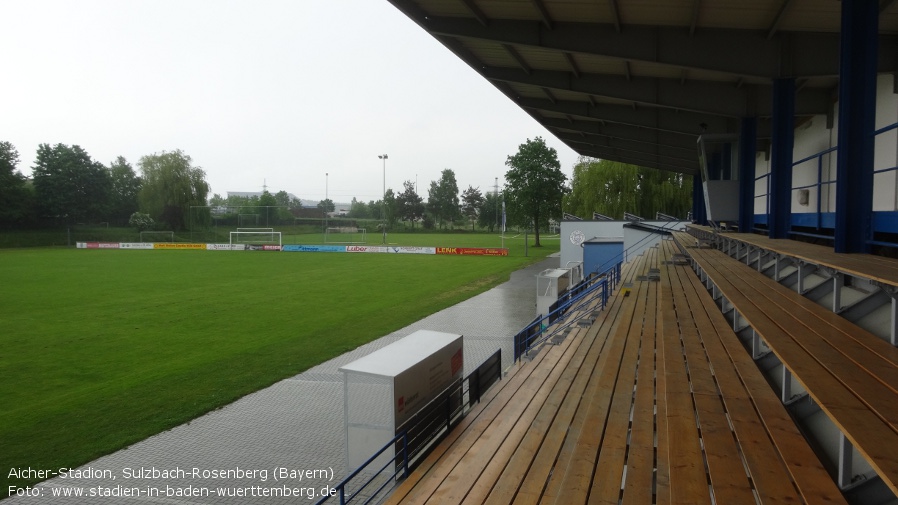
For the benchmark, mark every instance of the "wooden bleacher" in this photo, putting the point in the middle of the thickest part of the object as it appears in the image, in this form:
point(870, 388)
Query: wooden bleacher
point(850, 373)
point(656, 402)
point(865, 266)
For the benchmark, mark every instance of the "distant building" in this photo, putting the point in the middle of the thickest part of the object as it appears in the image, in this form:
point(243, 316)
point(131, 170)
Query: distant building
point(340, 209)
point(250, 194)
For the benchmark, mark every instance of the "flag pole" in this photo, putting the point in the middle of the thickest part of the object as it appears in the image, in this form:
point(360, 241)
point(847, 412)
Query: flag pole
point(503, 224)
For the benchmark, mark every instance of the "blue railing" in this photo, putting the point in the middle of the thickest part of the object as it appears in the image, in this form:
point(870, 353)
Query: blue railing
point(623, 257)
point(819, 221)
point(818, 157)
point(580, 296)
point(415, 438)
point(577, 298)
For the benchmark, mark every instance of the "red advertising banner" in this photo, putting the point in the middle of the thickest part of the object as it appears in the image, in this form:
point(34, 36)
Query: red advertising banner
point(473, 251)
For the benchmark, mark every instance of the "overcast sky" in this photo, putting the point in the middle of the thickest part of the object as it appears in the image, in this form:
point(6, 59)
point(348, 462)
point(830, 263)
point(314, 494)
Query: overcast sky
point(256, 91)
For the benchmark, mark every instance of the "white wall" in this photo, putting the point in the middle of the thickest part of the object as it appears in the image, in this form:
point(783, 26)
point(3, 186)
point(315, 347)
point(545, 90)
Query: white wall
point(812, 137)
point(605, 229)
point(886, 152)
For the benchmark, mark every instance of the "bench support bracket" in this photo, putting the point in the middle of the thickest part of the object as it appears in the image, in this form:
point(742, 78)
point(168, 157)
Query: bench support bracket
point(787, 385)
point(892, 291)
point(846, 451)
point(756, 345)
point(838, 279)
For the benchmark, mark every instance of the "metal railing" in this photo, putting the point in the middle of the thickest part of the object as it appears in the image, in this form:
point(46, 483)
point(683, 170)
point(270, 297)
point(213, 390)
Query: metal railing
point(577, 298)
point(370, 482)
point(581, 295)
point(624, 255)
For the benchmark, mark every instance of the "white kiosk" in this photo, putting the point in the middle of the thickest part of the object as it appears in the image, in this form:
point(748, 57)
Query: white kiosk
point(550, 284)
point(387, 387)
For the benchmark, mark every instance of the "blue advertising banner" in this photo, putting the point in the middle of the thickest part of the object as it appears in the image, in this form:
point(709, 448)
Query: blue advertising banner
point(314, 248)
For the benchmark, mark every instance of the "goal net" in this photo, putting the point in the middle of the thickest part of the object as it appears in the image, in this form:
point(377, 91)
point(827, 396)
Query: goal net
point(157, 236)
point(263, 236)
point(345, 235)
point(247, 220)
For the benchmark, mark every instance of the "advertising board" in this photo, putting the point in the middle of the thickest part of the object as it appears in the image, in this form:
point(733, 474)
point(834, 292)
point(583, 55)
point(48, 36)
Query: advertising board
point(169, 245)
point(315, 248)
point(226, 247)
point(137, 245)
point(473, 251)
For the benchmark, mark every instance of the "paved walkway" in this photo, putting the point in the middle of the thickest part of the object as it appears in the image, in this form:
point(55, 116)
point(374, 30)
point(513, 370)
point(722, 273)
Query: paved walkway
point(288, 435)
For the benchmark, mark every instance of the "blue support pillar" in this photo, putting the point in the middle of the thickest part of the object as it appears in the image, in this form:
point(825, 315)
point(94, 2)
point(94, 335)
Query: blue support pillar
point(783, 138)
point(748, 147)
point(699, 212)
point(857, 115)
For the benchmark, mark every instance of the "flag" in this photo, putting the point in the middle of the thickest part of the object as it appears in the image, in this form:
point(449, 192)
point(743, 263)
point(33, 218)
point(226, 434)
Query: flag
point(503, 216)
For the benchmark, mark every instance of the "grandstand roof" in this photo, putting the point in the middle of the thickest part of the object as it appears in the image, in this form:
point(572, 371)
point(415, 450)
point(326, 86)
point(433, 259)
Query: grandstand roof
point(638, 81)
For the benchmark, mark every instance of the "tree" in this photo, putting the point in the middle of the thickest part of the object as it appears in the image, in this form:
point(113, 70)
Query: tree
point(358, 210)
point(490, 211)
point(125, 187)
point(472, 200)
point(141, 221)
point(375, 209)
point(603, 186)
point(171, 185)
point(15, 198)
point(385, 209)
point(326, 206)
point(663, 191)
point(267, 208)
point(69, 185)
point(409, 205)
point(391, 207)
point(283, 199)
point(612, 188)
point(442, 200)
point(534, 185)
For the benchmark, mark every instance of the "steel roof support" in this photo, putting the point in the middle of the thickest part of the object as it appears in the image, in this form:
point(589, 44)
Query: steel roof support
point(699, 212)
point(857, 113)
point(748, 147)
point(782, 143)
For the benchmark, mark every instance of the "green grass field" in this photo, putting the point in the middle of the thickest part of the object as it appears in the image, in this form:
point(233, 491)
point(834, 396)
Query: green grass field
point(101, 348)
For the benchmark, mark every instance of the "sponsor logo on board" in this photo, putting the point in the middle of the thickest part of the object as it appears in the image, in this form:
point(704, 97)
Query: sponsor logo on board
point(168, 245)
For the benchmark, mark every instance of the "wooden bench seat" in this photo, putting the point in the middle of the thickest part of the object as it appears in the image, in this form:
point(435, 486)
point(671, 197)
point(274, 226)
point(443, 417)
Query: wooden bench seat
point(734, 403)
point(851, 374)
point(466, 461)
point(865, 266)
point(645, 406)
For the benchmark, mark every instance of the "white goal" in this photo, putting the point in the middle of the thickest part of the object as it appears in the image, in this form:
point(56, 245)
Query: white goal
point(157, 236)
point(261, 230)
point(266, 236)
point(345, 235)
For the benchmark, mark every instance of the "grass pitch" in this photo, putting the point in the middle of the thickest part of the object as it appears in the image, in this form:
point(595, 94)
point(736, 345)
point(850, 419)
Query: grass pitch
point(100, 349)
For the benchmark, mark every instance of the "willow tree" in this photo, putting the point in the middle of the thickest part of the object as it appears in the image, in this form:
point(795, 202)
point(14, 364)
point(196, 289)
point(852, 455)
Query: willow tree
point(171, 185)
point(612, 188)
point(534, 185)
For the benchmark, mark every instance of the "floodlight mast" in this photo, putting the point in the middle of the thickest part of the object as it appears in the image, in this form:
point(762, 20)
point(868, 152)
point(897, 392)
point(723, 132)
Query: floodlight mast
point(383, 201)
